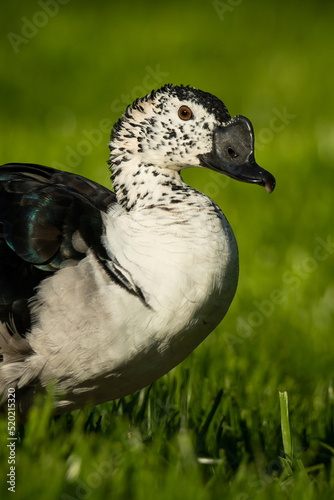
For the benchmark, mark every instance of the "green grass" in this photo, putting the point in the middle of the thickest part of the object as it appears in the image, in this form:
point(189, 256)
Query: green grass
point(216, 426)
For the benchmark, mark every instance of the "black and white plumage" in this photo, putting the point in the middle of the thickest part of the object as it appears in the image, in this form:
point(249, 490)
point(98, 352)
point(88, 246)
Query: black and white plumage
point(101, 293)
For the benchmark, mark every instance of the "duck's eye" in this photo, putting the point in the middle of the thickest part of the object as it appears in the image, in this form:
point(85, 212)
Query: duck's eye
point(185, 113)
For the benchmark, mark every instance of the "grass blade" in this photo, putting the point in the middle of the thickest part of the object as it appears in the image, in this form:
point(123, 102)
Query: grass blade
point(285, 425)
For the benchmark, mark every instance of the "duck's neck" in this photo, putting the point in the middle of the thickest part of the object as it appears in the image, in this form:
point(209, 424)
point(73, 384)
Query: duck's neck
point(138, 185)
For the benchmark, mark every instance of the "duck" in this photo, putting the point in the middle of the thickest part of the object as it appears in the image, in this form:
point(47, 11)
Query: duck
point(103, 291)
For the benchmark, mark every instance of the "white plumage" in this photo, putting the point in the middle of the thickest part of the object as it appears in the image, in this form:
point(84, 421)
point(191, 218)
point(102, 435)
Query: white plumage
point(122, 287)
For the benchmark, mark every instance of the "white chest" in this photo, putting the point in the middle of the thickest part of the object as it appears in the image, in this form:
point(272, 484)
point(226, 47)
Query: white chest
point(185, 265)
point(187, 270)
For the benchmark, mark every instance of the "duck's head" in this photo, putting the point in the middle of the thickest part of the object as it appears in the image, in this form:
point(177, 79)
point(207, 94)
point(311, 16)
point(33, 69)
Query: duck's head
point(179, 127)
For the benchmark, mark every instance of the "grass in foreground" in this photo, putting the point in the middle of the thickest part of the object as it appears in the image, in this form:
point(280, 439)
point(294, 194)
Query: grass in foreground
point(160, 443)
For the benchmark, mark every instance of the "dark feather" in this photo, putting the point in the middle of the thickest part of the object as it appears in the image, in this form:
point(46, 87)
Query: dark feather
point(40, 210)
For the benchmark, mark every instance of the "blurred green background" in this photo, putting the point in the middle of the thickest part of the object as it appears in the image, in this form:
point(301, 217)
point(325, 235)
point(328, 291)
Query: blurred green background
point(68, 70)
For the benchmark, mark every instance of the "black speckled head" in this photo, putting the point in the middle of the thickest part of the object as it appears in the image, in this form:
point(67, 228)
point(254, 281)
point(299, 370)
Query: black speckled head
point(211, 103)
point(178, 127)
point(154, 129)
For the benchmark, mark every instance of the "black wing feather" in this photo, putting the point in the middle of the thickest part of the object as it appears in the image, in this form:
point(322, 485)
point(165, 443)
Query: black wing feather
point(40, 210)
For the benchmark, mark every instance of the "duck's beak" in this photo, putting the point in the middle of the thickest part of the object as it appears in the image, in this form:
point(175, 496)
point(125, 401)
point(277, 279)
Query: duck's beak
point(233, 154)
